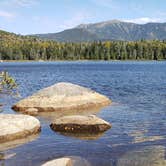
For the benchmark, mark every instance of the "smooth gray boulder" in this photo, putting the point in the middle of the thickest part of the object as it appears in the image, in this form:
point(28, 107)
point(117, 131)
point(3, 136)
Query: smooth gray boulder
point(14, 127)
point(80, 124)
point(60, 97)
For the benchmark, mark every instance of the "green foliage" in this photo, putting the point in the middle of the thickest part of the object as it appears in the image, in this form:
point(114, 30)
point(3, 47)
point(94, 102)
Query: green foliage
point(6, 82)
point(7, 86)
point(17, 47)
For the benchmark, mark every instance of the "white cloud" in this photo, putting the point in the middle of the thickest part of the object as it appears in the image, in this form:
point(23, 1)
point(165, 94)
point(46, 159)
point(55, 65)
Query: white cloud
point(6, 14)
point(25, 3)
point(19, 3)
point(144, 20)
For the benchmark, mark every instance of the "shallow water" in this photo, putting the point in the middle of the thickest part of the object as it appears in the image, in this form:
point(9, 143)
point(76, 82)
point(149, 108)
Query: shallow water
point(138, 114)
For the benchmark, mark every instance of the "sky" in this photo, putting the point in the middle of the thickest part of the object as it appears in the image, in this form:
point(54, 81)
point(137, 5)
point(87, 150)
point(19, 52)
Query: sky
point(50, 16)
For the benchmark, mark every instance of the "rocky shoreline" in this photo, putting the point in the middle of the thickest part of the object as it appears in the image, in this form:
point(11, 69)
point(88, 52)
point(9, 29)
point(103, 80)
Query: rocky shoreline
point(61, 97)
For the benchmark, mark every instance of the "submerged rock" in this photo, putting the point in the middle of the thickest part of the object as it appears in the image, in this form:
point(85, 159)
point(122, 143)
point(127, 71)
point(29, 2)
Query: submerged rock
point(6, 156)
point(80, 124)
point(14, 127)
point(60, 97)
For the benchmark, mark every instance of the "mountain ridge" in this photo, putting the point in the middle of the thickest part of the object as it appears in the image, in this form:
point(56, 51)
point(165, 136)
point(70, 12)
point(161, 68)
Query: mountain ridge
point(109, 30)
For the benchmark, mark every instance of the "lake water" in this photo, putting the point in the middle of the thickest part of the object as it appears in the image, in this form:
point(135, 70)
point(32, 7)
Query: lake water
point(137, 115)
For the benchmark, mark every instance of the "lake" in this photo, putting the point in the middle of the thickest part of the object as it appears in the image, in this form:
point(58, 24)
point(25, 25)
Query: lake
point(137, 115)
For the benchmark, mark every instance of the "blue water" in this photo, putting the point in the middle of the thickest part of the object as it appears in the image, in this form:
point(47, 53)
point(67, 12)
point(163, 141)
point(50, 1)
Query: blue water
point(137, 115)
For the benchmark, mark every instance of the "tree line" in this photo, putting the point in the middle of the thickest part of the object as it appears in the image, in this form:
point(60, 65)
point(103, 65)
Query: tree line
point(15, 47)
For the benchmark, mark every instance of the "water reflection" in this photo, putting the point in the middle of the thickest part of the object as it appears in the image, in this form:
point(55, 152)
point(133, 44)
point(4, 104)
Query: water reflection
point(83, 136)
point(149, 156)
point(79, 161)
point(15, 143)
point(142, 136)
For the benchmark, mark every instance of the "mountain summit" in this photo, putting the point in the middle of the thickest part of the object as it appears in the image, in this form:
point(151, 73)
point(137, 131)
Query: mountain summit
point(109, 30)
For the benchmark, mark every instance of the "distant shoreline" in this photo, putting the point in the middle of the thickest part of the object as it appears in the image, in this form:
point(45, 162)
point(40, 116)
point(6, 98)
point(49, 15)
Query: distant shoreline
point(42, 61)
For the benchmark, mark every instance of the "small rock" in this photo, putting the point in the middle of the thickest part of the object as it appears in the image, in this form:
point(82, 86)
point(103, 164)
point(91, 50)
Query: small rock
point(80, 124)
point(59, 162)
point(68, 161)
point(31, 111)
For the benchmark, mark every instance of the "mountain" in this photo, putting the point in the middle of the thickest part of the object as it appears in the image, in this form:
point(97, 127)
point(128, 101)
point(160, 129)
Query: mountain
point(71, 35)
point(109, 30)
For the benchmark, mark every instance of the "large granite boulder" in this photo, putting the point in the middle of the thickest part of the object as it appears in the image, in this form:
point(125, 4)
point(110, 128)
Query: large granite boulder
point(62, 96)
point(14, 127)
point(80, 124)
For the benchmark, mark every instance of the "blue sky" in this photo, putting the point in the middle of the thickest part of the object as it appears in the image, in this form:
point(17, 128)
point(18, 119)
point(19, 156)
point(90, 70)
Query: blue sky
point(43, 16)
